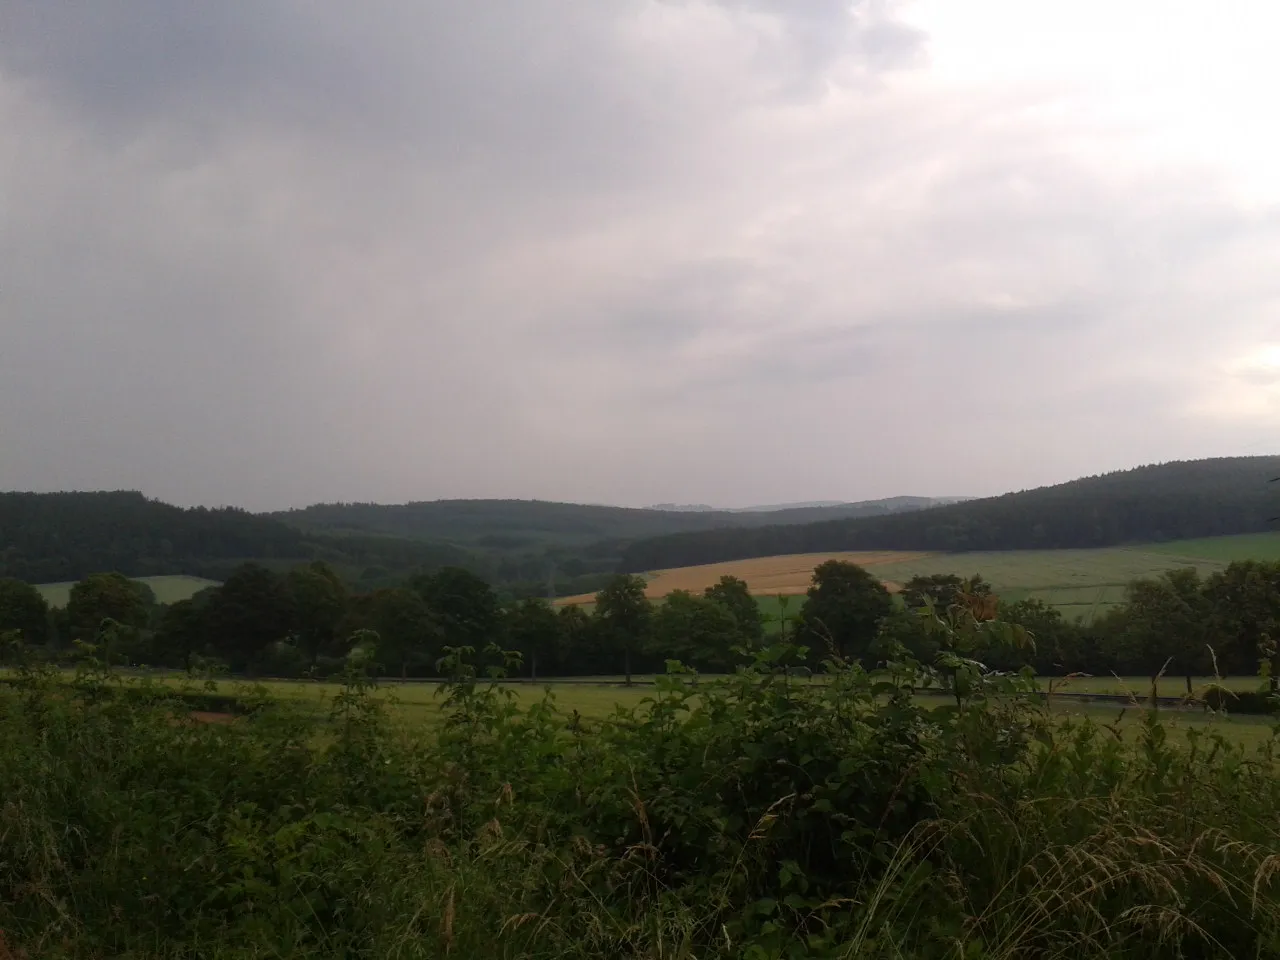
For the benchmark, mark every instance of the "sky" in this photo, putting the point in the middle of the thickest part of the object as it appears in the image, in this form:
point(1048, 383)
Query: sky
point(632, 251)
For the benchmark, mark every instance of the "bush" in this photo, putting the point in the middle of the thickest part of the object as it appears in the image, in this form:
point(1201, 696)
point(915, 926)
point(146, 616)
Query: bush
point(1242, 701)
point(751, 817)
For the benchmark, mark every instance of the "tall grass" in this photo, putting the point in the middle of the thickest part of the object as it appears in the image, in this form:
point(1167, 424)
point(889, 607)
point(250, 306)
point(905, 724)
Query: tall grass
point(761, 818)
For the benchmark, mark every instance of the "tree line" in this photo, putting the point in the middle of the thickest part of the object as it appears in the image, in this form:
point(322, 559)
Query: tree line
point(1173, 501)
point(54, 537)
point(1179, 624)
point(524, 546)
point(302, 622)
point(530, 549)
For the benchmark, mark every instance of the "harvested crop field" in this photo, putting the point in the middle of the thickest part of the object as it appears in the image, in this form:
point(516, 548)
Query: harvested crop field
point(765, 576)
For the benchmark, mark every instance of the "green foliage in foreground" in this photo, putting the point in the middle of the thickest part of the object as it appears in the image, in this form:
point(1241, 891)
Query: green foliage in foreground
point(753, 816)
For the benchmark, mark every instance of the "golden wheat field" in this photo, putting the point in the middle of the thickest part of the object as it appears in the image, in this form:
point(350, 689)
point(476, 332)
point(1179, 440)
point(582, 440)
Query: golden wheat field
point(766, 576)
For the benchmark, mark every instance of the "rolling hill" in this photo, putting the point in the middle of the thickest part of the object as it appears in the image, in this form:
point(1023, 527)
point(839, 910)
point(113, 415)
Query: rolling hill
point(55, 537)
point(60, 537)
point(540, 524)
point(1171, 501)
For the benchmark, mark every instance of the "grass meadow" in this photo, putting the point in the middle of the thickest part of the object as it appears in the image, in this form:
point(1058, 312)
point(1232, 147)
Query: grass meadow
point(739, 819)
point(419, 704)
point(1248, 546)
point(169, 589)
point(1081, 583)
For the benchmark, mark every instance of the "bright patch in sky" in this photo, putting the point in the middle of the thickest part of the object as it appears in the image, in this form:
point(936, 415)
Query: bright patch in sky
point(1265, 360)
point(1140, 81)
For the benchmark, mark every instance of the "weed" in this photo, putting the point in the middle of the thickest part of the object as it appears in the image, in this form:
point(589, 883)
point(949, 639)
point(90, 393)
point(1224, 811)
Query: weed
point(744, 816)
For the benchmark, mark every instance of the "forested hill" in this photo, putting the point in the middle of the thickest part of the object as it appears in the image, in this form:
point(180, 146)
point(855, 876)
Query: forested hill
point(1195, 498)
point(536, 524)
point(64, 536)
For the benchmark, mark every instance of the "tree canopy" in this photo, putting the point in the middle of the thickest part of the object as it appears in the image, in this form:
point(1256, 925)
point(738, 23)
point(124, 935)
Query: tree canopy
point(1197, 498)
point(23, 610)
point(844, 608)
point(624, 613)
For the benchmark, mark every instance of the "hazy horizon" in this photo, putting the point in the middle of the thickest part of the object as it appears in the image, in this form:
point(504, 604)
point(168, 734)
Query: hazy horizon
point(670, 506)
point(734, 252)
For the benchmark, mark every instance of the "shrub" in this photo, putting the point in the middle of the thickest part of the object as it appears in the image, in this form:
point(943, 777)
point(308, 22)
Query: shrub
point(1241, 701)
point(753, 816)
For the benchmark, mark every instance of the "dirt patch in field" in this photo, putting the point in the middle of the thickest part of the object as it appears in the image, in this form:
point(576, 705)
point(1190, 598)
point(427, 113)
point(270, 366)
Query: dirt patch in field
point(200, 716)
point(765, 576)
point(208, 716)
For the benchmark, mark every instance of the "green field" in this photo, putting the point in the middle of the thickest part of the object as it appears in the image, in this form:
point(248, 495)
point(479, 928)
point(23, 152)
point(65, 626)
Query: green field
point(1249, 731)
point(1084, 583)
point(1169, 686)
point(419, 703)
point(1081, 583)
point(1247, 546)
point(167, 589)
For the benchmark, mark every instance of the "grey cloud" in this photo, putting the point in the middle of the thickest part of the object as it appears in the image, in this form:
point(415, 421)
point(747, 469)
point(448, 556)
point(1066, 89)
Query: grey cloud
point(867, 34)
point(294, 251)
point(564, 88)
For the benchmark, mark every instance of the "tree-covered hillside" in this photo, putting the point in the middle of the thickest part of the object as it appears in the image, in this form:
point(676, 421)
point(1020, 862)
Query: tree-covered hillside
point(1171, 501)
point(64, 536)
point(538, 524)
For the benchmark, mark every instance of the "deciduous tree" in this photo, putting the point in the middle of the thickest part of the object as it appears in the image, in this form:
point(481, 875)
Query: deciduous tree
point(735, 596)
point(24, 611)
point(103, 596)
point(697, 630)
point(536, 630)
point(1169, 621)
point(844, 608)
point(623, 612)
point(578, 630)
point(409, 632)
point(467, 608)
point(248, 613)
point(1244, 607)
point(319, 601)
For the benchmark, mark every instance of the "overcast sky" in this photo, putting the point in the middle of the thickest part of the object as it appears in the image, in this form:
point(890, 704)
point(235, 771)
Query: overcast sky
point(632, 251)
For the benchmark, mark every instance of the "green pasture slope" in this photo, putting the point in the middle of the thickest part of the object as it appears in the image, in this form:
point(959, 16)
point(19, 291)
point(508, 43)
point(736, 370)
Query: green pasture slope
point(1081, 583)
point(167, 589)
point(1084, 583)
point(1246, 546)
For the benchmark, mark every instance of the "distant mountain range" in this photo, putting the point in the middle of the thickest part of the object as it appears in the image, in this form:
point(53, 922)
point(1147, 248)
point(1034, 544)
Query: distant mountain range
point(893, 503)
point(765, 508)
